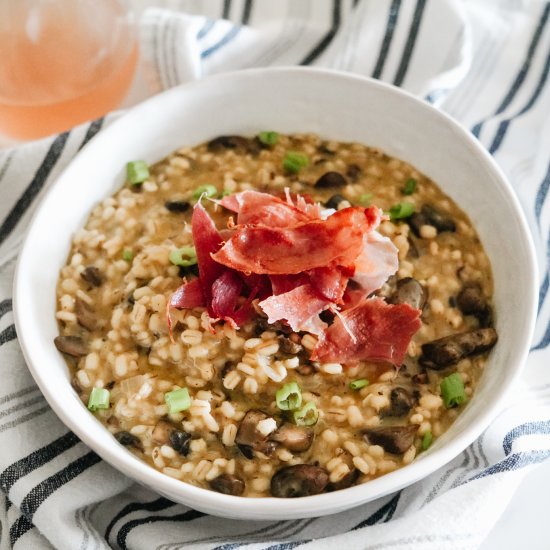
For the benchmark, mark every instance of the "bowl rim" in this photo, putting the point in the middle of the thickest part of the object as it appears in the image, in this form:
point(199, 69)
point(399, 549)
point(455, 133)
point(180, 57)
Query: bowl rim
point(269, 507)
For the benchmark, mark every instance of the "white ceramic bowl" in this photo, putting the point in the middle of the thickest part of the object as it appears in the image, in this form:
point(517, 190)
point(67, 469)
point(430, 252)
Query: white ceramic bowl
point(336, 106)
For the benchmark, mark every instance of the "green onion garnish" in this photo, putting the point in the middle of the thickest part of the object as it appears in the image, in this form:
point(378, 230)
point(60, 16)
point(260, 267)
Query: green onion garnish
point(365, 198)
point(427, 439)
point(452, 390)
point(268, 138)
point(137, 172)
point(294, 161)
point(358, 384)
point(289, 397)
point(410, 187)
point(307, 415)
point(208, 190)
point(127, 255)
point(401, 210)
point(184, 256)
point(99, 399)
point(177, 400)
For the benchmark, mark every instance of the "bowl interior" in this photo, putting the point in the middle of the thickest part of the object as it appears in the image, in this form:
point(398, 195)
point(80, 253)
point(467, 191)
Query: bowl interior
point(336, 106)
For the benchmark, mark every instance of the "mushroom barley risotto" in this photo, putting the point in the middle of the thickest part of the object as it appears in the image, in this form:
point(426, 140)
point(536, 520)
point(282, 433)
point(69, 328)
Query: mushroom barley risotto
point(277, 315)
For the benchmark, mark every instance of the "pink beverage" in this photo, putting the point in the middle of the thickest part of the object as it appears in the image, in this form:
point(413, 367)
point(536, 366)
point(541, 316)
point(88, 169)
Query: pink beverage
point(62, 62)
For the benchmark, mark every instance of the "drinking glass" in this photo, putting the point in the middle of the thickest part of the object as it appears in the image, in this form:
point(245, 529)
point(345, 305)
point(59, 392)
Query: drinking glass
point(62, 62)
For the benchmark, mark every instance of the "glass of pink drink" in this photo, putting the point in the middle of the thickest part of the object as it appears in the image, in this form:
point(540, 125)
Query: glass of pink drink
point(63, 62)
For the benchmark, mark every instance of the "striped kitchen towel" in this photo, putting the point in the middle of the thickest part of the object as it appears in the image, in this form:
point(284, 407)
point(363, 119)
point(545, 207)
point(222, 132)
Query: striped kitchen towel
point(486, 64)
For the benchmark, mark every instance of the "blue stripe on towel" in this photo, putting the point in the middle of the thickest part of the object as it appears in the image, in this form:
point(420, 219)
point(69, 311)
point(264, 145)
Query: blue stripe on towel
point(225, 40)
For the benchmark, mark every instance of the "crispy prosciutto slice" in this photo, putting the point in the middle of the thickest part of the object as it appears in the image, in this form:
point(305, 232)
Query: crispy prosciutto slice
point(338, 240)
point(373, 331)
point(299, 307)
point(207, 240)
point(297, 264)
point(226, 291)
point(218, 287)
point(257, 208)
point(304, 203)
point(188, 295)
point(330, 282)
point(285, 283)
point(377, 262)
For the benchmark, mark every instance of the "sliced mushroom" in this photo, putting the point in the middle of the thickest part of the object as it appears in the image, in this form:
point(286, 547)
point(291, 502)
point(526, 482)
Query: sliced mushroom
point(177, 207)
point(228, 484)
point(347, 481)
point(471, 301)
point(166, 433)
point(429, 215)
point(266, 450)
point(180, 441)
point(409, 291)
point(301, 480)
point(295, 438)
point(393, 439)
point(161, 432)
point(334, 201)
point(416, 221)
point(286, 345)
point(451, 349)
point(71, 345)
point(249, 436)
point(330, 179)
point(129, 440)
point(85, 315)
point(237, 143)
point(353, 172)
point(92, 275)
point(388, 288)
point(246, 451)
point(486, 318)
point(440, 221)
point(401, 402)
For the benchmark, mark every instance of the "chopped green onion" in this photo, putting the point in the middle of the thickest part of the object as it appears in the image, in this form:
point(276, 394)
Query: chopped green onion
point(268, 138)
point(289, 397)
point(358, 384)
point(177, 400)
point(208, 190)
point(294, 161)
point(184, 256)
point(127, 255)
point(307, 415)
point(410, 187)
point(452, 390)
point(427, 439)
point(137, 172)
point(99, 399)
point(225, 194)
point(365, 198)
point(401, 210)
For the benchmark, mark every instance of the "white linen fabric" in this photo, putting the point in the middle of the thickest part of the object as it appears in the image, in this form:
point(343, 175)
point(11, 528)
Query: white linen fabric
point(485, 63)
